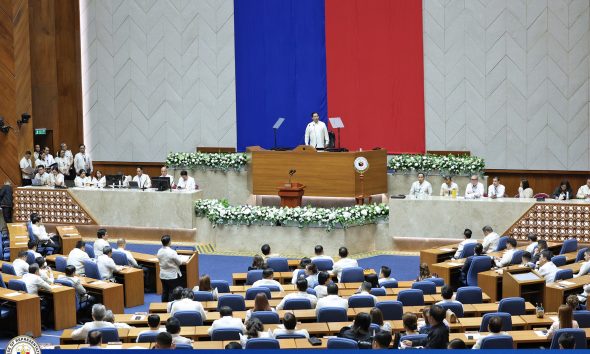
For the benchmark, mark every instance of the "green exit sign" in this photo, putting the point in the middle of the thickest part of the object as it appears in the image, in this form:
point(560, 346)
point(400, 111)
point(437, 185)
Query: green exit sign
point(41, 131)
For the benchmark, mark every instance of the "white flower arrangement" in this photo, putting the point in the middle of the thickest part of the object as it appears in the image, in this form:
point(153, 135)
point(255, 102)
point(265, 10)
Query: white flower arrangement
point(223, 162)
point(219, 212)
point(446, 164)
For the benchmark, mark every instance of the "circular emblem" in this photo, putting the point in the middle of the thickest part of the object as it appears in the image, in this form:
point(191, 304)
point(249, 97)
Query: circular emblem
point(361, 164)
point(23, 345)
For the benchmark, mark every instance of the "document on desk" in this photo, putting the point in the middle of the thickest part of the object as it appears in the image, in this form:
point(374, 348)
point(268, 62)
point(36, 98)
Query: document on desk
point(184, 258)
point(565, 282)
point(12, 294)
point(96, 282)
point(21, 236)
point(526, 276)
point(447, 249)
point(541, 334)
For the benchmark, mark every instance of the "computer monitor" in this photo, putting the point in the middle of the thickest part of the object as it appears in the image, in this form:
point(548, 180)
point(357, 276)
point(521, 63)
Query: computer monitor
point(161, 183)
point(114, 180)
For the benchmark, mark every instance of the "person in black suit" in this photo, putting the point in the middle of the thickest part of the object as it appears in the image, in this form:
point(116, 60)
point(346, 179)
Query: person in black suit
point(6, 201)
point(478, 252)
point(438, 337)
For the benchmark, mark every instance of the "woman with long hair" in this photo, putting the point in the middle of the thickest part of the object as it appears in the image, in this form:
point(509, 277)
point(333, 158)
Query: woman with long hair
point(254, 329)
point(260, 304)
point(205, 285)
point(565, 319)
point(359, 331)
point(377, 318)
point(525, 190)
point(257, 263)
point(564, 191)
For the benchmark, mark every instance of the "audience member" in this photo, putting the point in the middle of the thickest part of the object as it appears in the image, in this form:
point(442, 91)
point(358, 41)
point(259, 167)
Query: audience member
point(94, 339)
point(20, 264)
point(447, 295)
point(101, 242)
point(205, 285)
point(106, 265)
point(541, 246)
point(227, 321)
point(38, 229)
point(467, 240)
point(164, 341)
point(490, 240)
point(564, 191)
point(289, 327)
point(56, 178)
point(474, 190)
point(531, 247)
point(33, 280)
point(26, 168)
point(257, 263)
point(63, 164)
point(424, 272)
point(546, 268)
point(254, 329)
point(99, 180)
point(110, 317)
point(321, 290)
point(319, 254)
point(438, 335)
point(153, 321)
point(421, 187)
point(343, 263)
point(121, 244)
point(260, 304)
point(300, 294)
point(77, 257)
point(70, 274)
point(478, 251)
point(82, 179)
point(565, 319)
point(302, 265)
point(382, 340)
point(385, 275)
point(365, 290)
point(527, 260)
point(176, 295)
point(45, 271)
point(170, 262)
point(32, 248)
point(457, 344)
point(98, 313)
point(377, 318)
point(173, 327)
point(573, 302)
point(446, 189)
point(42, 177)
point(359, 331)
point(267, 279)
point(332, 299)
point(311, 275)
point(567, 341)
point(586, 265)
point(506, 259)
point(266, 252)
point(233, 345)
point(584, 190)
point(494, 329)
point(187, 303)
point(373, 279)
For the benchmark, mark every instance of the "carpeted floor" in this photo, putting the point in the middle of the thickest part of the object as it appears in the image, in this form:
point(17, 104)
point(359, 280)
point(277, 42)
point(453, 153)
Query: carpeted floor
point(222, 267)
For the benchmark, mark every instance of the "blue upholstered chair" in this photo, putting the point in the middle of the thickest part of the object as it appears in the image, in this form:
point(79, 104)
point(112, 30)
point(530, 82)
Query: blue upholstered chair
point(411, 297)
point(569, 245)
point(278, 264)
point(515, 306)
point(578, 333)
point(234, 301)
point(497, 342)
point(342, 343)
point(332, 314)
point(352, 275)
point(392, 310)
point(478, 264)
point(469, 295)
point(506, 321)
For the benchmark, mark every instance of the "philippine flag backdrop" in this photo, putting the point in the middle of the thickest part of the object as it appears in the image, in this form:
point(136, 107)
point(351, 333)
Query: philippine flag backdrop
point(361, 60)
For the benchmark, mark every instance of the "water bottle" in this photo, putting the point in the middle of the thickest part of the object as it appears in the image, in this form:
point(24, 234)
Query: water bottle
point(540, 311)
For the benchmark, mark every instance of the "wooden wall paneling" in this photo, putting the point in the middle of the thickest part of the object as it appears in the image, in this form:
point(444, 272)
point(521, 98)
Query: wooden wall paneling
point(152, 169)
point(541, 181)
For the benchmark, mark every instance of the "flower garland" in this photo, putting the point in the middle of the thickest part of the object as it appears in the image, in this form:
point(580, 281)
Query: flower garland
point(215, 161)
point(219, 212)
point(447, 164)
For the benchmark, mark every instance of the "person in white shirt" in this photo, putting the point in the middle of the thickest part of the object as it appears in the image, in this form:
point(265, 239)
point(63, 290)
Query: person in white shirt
point(343, 263)
point(164, 173)
point(110, 317)
point(56, 178)
point(490, 239)
point(298, 273)
point(33, 280)
point(289, 327)
point(170, 262)
point(63, 163)
point(585, 266)
point(32, 248)
point(565, 319)
point(187, 303)
point(77, 257)
point(546, 268)
point(448, 186)
point(100, 181)
point(82, 160)
point(42, 176)
point(20, 264)
point(494, 329)
point(153, 321)
point(254, 329)
point(49, 160)
point(267, 279)
point(467, 240)
point(507, 256)
point(101, 242)
point(45, 271)
point(496, 190)
point(365, 290)
point(319, 254)
point(524, 190)
point(260, 304)
point(474, 190)
point(227, 321)
point(173, 327)
point(321, 290)
point(106, 265)
point(421, 187)
point(70, 274)
point(121, 243)
point(584, 191)
point(48, 240)
point(67, 153)
point(311, 275)
point(531, 247)
point(332, 299)
point(385, 275)
point(447, 295)
point(300, 294)
point(26, 168)
point(316, 133)
point(185, 182)
point(98, 313)
point(143, 180)
point(41, 161)
point(82, 180)
point(36, 151)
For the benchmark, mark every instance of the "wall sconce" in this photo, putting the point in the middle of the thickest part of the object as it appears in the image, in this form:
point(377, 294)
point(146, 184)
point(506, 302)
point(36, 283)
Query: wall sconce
point(3, 127)
point(24, 119)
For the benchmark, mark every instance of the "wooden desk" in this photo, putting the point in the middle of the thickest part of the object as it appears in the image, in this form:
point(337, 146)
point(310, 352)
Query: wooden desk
point(132, 279)
point(19, 238)
point(329, 174)
point(533, 322)
point(139, 320)
point(431, 256)
point(480, 309)
point(68, 236)
point(529, 289)
point(27, 311)
point(150, 262)
point(190, 270)
point(555, 293)
point(281, 277)
point(450, 271)
point(66, 336)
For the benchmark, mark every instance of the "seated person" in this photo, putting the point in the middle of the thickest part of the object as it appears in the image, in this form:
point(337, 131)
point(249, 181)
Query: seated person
point(311, 275)
point(185, 182)
point(567, 341)
point(531, 247)
point(205, 285)
point(321, 290)
point(121, 243)
point(289, 327)
point(564, 191)
point(187, 303)
point(524, 190)
point(495, 329)
point(70, 274)
point(143, 181)
point(365, 290)
point(541, 246)
point(101, 242)
point(267, 279)
point(257, 263)
point(490, 239)
point(302, 265)
point(33, 280)
point(584, 191)
point(547, 268)
point(319, 254)
point(438, 336)
point(424, 273)
point(359, 331)
point(527, 261)
point(508, 253)
point(164, 173)
point(99, 181)
point(465, 269)
point(173, 327)
point(446, 189)
point(332, 299)
point(45, 271)
point(382, 340)
point(496, 190)
point(266, 252)
point(447, 295)
point(32, 248)
point(565, 319)
point(410, 324)
point(106, 265)
point(227, 321)
point(77, 257)
point(110, 317)
point(98, 313)
point(457, 344)
point(573, 302)
point(377, 318)
point(300, 294)
point(56, 179)
point(385, 275)
point(421, 187)
point(42, 176)
point(94, 340)
point(46, 239)
point(260, 304)
point(174, 296)
point(164, 341)
point(467, 240)
point(153, 321)
point(474, 190)
point(233, 345)
point(82, 180)
point(20, 264)
point(254, 329)
point(585, 266)
point(343, 263)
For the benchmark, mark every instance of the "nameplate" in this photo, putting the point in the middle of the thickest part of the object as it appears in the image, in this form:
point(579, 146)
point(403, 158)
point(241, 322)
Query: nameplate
point(21, 236)
point(12, 294)
point(21, 243)
point(447, 249)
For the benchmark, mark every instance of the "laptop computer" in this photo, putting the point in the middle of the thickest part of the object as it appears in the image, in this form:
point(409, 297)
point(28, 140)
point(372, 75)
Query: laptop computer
point(133, 185)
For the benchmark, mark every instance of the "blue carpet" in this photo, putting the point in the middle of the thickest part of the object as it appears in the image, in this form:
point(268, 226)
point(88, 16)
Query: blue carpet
point(222, 267)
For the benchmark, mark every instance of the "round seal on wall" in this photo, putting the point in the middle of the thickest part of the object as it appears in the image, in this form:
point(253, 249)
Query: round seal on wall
point(23, 345)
